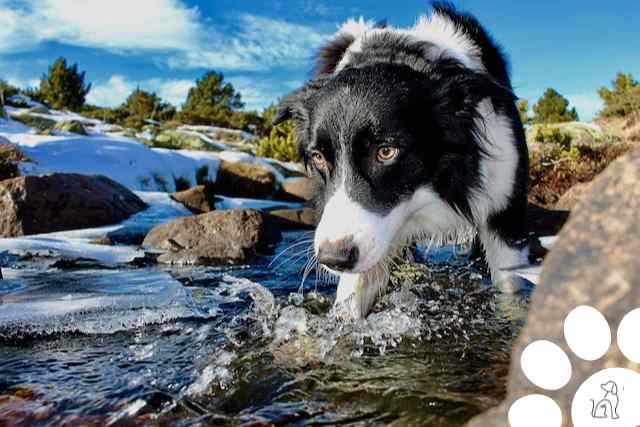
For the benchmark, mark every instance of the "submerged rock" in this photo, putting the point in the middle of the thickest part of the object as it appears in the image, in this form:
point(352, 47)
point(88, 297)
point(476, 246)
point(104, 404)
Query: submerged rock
point(215, 238)
point(198, 199)
point(593, 263)
point(57, 202)
point(241, 179)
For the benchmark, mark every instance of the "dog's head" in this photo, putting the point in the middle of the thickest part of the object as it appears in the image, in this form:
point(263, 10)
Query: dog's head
point(384, 141)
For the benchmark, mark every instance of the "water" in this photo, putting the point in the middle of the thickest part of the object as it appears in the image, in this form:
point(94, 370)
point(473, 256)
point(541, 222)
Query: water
point(241, 347)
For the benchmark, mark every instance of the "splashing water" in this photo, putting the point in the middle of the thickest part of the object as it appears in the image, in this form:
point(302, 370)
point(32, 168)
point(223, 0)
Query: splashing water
point(234, 347)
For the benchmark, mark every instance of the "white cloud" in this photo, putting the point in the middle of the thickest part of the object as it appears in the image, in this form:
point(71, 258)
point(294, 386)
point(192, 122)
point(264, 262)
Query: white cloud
point(587, 105)
point(114, 91)
point(164, 26)
point(262, 43)
point(258, 94)
point(113, 24)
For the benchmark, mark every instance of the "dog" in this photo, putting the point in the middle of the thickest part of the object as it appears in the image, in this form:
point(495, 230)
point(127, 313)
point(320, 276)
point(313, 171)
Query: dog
point(411, 134)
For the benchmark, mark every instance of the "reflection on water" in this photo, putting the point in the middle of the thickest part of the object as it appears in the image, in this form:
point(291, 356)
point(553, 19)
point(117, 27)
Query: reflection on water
point(245, 348)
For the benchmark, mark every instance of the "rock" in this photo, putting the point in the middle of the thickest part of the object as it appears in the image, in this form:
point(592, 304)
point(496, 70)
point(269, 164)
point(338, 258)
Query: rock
point(39, 109)
point(594, 262)
point(214, 238)
point(292, 219)
point(34, 205)
point(73, 126)
point(241, 179)
point(571, 198)
point(10, 156)
point(42, 124)
point(198, 199)
point(178, 140)
point(296, 190)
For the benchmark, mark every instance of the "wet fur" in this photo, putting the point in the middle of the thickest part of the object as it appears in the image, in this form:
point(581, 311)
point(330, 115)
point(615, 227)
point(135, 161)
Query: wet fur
point(439, 91)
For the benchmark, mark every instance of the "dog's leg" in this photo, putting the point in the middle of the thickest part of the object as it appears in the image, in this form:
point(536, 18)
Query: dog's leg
point(357, 292)
point(501, 257)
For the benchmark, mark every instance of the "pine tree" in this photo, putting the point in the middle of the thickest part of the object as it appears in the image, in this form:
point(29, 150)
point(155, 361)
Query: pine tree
point(63, 87)
point(211, 101)
point(553, 108)
point(624, 99)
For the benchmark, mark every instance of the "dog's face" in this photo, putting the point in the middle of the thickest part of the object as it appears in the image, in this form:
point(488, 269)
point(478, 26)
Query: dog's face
point(384, 142)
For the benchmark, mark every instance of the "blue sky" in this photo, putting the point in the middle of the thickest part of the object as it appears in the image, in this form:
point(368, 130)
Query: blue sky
point(266, 48)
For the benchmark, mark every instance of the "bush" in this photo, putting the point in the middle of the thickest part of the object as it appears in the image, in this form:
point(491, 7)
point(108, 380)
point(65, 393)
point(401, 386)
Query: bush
point(107, 115)
point(624, 99)
point(9, 158)
point(281, 144)
point(63, 87)
point(523, 110)
point(553, 108)
point(553, 135)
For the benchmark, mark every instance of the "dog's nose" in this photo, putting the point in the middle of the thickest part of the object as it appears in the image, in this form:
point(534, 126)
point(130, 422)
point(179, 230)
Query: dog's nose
point(340, 255)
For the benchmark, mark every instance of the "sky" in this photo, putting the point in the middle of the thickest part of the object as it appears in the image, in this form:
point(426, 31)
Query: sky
point(266, 49)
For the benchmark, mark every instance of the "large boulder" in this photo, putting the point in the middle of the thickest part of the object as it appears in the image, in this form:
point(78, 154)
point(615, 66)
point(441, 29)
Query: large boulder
point(216, 238)
point(594, 262)
point(294, 219)
point(298, 189)
point(571, 198)
point(34, 205)
point(242, 179)
point(198, 199)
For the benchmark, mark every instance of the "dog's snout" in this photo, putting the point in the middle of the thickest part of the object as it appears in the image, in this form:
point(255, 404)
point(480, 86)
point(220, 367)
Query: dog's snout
point(340, 255)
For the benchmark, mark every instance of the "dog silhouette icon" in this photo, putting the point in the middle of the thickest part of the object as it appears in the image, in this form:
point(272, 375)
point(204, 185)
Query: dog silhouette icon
point(607, 407)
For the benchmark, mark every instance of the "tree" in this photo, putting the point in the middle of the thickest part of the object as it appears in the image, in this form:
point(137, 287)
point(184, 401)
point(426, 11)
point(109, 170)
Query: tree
point(63, 87)
point(211, 101)
point(553, 108)
point(6, 90)
point(523, 109)
point(624, 99)
point(147, 105)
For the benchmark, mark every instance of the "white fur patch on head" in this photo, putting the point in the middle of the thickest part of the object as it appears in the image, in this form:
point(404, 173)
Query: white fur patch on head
point(436, 29)
point(439, 30)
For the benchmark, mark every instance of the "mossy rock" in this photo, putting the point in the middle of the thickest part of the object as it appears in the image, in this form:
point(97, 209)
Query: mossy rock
point(177, 140)
point(73, 126)
point(39, 110)
point(42, 124)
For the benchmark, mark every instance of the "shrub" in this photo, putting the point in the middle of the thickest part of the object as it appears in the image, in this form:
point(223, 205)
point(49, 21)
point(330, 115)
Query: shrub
point(624, 99)
point(63, 87)
point(10, 155)
point(553, 135)
point(281, 144)
point(553, 108)
point(107, 115)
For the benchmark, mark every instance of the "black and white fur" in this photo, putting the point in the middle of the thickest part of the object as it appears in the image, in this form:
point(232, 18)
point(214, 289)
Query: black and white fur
point(440, 94)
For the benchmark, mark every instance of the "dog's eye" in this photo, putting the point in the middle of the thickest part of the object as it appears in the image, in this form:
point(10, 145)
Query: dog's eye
point(318, 159)
point(386, 153)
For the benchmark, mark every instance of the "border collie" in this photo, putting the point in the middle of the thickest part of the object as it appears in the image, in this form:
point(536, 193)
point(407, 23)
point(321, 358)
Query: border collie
point(411, 134)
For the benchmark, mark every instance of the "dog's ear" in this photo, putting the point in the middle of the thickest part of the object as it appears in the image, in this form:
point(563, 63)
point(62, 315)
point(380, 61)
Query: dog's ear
point(295, 105)
point(331, 54)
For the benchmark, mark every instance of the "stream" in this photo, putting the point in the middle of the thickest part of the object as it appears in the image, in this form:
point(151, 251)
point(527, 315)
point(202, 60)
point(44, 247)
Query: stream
point(82, 344)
